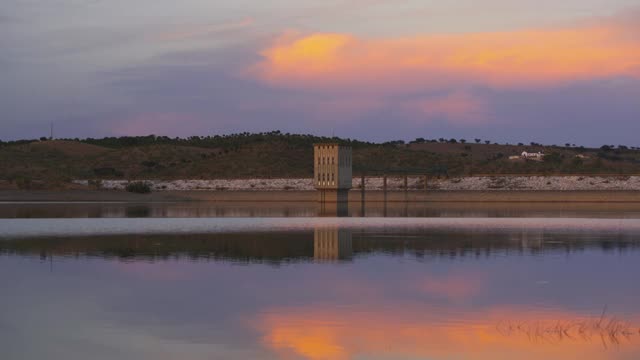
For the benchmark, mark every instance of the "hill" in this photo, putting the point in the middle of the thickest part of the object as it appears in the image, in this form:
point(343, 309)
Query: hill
point(41, 163)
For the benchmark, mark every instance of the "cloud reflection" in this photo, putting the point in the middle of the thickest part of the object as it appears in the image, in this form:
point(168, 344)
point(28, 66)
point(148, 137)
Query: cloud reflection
point(424, 332)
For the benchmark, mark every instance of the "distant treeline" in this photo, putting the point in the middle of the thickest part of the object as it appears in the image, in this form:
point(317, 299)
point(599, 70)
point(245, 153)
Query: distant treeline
point(231, 141)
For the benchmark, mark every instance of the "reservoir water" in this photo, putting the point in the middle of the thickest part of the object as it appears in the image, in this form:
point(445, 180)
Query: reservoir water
point(197, 281)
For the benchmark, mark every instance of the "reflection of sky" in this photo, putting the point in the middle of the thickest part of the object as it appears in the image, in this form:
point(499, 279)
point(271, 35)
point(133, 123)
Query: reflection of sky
point(374, 69)
point(391, 306)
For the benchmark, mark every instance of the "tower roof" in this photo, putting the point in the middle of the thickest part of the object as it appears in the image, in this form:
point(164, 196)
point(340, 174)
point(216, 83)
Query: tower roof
point(330, 144)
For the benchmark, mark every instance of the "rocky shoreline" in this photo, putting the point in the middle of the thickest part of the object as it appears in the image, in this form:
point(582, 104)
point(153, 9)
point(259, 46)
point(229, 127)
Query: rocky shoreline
point(477, 183)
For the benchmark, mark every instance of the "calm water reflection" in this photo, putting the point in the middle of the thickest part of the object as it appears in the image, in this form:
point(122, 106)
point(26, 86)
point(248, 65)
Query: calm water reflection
point(303, 209)
point(328, 293)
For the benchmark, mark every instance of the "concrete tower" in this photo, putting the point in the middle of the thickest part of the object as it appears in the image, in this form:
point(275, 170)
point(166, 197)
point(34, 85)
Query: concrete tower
point(332, 172)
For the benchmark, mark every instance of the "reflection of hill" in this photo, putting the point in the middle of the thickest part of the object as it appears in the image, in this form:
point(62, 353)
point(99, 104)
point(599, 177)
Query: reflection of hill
point(271, 247)
point(286, 246)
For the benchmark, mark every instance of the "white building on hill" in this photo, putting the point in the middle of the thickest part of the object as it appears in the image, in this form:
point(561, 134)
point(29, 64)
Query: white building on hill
point(532, 156)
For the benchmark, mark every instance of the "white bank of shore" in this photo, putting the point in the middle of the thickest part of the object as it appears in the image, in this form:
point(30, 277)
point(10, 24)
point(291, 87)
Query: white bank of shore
point(479, 183)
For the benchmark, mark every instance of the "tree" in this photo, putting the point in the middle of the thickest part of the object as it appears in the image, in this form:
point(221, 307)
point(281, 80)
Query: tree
point(463, 141)
point(478, 141)
point(487, 142)
point(139, 187)
point(554, 158)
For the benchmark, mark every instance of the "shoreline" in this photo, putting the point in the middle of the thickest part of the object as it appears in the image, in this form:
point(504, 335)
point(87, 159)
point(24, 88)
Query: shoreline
point(393, 183)
point(355, 196)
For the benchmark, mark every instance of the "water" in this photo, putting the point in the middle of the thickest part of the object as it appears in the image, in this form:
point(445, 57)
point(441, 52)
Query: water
point(502, 287)
point(311, 209)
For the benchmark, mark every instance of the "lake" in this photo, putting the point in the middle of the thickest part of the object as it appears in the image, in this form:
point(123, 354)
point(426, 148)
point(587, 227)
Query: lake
point(205, 209)
point(203, 281)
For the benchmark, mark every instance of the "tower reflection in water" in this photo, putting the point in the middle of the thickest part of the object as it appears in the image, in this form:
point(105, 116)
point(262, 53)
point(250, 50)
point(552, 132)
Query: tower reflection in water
point(332, 244)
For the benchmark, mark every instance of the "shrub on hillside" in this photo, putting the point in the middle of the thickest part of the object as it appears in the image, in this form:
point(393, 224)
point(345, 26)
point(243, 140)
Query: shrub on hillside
point(24, 183)
point(149, 163)
point(138, 187)
point(107, 172)
point(97, 184)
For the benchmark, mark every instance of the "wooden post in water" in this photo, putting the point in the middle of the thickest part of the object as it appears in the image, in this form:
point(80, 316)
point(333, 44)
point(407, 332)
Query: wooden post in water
point(362, 186)
point(384, 190)
point(384, 187)
point(406, 188)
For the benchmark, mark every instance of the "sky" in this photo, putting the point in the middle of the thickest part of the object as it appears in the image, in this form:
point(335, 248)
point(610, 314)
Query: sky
point(502, 70)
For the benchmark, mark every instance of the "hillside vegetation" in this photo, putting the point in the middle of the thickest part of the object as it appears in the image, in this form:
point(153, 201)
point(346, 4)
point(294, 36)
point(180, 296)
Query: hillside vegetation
point(54, 163)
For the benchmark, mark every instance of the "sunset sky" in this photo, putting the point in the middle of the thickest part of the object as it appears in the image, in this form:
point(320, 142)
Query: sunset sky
point(509, 71)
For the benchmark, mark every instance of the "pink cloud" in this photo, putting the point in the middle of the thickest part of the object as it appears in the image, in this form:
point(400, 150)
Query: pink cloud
point(457, 107)
point(455, 287)
point(325, 108)
point(159, 123)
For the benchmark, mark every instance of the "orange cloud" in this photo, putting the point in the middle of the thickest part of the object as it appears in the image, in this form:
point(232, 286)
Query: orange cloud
point(338, 334)
point(499, 59)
